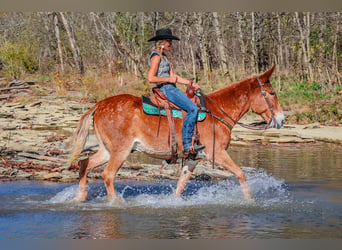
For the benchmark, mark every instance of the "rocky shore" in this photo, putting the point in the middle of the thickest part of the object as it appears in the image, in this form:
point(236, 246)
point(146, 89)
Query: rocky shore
point(36, 124)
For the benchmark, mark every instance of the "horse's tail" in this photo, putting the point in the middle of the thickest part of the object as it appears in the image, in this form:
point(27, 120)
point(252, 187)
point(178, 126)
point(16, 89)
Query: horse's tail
point(80, 136)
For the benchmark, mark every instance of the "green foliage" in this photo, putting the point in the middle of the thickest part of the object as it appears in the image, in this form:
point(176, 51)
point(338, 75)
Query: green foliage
point(323, 113)
point(311, 102)
point(19, 57)
point(302, 92)
point(184, 74)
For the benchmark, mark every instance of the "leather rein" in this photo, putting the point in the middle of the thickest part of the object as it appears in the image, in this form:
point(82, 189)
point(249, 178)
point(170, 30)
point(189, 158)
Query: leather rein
point(253, 126)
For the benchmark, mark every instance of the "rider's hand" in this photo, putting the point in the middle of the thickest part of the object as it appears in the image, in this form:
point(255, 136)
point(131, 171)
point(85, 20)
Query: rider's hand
point(173, 78)
point(196, 86)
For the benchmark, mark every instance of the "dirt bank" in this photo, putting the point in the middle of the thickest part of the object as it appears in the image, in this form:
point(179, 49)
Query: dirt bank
point(36, 123)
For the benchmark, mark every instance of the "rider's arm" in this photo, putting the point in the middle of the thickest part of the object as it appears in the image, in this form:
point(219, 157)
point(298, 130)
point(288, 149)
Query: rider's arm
point(182, 80)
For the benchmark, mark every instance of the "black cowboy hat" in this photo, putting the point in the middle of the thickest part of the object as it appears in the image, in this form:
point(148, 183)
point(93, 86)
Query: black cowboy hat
point(163, 34)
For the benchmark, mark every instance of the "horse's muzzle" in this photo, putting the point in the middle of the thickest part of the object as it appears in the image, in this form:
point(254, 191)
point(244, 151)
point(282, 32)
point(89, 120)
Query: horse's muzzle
point(278, 121)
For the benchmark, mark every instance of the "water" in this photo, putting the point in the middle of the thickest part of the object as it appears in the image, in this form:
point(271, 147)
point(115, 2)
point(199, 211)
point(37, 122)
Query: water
point(297, 190)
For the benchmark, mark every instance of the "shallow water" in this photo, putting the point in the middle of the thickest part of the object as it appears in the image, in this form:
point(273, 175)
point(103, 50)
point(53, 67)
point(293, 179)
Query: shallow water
point(297, 191)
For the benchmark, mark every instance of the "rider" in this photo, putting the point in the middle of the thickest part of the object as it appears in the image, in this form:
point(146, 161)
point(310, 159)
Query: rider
point(161, 73)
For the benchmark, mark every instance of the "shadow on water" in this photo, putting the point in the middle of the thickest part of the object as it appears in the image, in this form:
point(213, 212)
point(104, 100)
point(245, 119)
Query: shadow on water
point(306, 205)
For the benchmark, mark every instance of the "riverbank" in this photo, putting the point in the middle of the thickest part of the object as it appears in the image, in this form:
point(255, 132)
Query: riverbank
point(36, 125)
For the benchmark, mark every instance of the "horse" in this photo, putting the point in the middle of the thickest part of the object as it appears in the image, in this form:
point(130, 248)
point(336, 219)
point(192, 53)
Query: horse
point(121, 127)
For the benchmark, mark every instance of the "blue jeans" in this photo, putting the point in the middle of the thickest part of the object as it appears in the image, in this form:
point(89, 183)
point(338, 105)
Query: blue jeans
point(174, 95)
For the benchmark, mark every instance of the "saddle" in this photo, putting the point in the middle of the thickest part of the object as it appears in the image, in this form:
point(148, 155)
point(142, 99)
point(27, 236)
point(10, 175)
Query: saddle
point(159, 105)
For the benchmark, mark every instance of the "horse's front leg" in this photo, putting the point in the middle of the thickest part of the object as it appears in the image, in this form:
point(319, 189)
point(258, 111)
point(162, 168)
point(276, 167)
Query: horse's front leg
point(224, 159)
point(184, 178)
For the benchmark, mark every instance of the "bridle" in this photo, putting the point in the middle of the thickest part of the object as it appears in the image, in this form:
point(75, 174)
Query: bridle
point(270, 108)
point(254, 126)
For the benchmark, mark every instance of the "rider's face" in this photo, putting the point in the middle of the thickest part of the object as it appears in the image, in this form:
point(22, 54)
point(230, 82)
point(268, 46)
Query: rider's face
point(167, 44)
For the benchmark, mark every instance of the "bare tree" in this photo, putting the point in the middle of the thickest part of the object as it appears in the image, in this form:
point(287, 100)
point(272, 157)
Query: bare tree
point(75, 50)
point(199, 28)
point(337, 36)
point(302, 44)
point(280, 42)
point(221, 49)
point(253, 43)
point(58, 38)
point(304, 31)
point(241, 40)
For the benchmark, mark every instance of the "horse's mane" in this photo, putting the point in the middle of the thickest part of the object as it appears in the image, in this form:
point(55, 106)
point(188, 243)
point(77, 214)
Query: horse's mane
point(232, 86)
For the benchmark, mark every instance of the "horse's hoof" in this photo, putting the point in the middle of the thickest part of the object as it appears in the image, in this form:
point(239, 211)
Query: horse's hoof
point(249, 198)
point(250, 201)
point(77, 200)
point(116, 202)
point(80, 198)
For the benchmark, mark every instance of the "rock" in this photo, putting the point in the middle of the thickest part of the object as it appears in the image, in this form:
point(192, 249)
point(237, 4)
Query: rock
point(23, 175)
point(47, 176)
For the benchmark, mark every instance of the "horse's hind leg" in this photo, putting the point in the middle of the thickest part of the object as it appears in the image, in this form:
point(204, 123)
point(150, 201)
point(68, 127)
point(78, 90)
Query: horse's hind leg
point(115, 162)
point(85, 166)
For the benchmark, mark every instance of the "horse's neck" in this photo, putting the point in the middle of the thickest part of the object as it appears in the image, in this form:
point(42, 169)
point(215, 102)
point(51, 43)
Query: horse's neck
point(233, 99)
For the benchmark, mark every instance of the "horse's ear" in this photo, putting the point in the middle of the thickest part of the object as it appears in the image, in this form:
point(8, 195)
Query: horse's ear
point(264, 77)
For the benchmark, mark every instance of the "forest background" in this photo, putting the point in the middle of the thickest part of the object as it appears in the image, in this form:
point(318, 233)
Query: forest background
point(104, 54)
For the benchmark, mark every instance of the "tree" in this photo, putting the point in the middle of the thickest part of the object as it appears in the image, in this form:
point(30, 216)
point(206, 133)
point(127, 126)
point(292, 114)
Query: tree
point(221, 50)
point(58, 38)
point(75, 50)
point(303, 24)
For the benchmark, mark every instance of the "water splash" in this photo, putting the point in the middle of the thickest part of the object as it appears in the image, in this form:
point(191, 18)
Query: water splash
point(268, 192)
point(66, 195)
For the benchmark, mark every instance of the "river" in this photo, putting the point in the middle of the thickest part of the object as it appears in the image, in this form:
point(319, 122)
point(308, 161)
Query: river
point(297, 195)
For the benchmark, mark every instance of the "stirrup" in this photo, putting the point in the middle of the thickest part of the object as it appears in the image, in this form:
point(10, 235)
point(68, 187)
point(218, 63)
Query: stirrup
point(196, 148)
point(194, 156)
point(195, 152)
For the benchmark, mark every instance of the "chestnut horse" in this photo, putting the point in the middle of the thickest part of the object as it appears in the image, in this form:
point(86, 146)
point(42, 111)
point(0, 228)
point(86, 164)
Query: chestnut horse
point(122, 127)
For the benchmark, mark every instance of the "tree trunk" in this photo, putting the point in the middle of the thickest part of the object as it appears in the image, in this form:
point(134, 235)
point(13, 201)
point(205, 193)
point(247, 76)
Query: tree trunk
point(279, 58)
point(240, 38)
point(304, 31)
point(128, 51)
point(280, 44)
point(155, 21)
point(221, 49)
point(75, 50)
point(253, 45)
point(202, 43)
point(192, 54)
point(59, 43)
point(335, 57)
point(193, 62)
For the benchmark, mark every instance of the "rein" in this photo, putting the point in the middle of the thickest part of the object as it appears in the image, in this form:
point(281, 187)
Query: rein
point(253, 126)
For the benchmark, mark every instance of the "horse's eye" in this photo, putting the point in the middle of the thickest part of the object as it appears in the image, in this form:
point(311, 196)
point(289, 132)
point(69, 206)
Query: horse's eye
point(272, 93)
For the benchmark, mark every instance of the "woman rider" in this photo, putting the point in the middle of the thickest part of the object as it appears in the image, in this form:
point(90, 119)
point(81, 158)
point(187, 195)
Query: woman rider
point(161, 74)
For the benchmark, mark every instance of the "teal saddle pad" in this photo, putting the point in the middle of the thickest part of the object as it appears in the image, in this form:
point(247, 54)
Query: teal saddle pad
point(151, 109)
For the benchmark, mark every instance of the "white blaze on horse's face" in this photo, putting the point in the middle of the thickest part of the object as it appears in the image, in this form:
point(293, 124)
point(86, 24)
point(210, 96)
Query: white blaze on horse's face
point(278, 121)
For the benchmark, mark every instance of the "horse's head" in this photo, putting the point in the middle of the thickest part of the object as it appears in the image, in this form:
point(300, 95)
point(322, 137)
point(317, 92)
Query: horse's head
point(265, 102)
